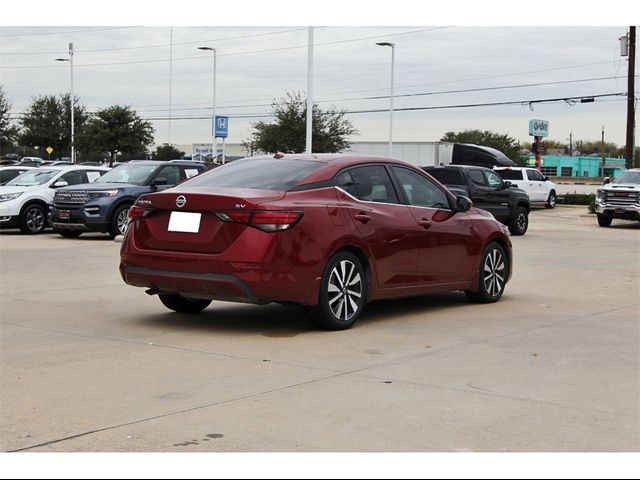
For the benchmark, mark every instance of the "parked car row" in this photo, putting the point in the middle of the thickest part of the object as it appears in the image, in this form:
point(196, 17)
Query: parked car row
point(28, 197)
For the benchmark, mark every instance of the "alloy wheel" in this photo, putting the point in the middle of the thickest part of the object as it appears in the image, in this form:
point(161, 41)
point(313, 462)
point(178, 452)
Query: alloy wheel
point(494, 272)
point(122, 220)
point(35, 219)
point(345, 290)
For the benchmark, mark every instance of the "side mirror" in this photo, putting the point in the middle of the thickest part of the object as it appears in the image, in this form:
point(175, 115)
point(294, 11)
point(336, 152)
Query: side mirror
point(546, 179)
point(463, 204)
point(506, 184)
point(60, 183)
point(606, 180)
point(159, 181)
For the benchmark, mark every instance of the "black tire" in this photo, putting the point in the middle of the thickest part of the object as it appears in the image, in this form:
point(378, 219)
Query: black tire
point(33, 219)
point(492, 276)
point(551, 201)
point(520, 222)
point(339, 306)
point(604, 220)
point(118, 222)
point(69, 233)
point(181, 304)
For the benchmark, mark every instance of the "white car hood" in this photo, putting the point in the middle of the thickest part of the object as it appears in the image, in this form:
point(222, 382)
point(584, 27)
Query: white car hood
point(4, 190)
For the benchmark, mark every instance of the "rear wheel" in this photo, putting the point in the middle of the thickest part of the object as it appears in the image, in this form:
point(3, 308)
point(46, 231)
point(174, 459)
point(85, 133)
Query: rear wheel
point(342, 294)
point(520, 222)
point(118, 223)
point(604, 220)
point(551, 201)
point(182, 304)
point(492, 276)
point(33, 219)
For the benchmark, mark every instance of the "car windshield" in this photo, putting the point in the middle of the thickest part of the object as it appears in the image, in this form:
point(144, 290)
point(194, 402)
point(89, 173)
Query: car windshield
point(278, 175)
point(129, 173)
point(628, 177)
point(33, 177)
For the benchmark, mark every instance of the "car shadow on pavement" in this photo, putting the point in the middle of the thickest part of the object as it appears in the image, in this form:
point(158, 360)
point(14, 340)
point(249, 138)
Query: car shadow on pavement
point(276, 320)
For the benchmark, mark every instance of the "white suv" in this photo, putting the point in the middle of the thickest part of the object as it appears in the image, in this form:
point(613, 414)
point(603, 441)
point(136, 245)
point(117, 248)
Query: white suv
point(24, 200)
point(539, 188)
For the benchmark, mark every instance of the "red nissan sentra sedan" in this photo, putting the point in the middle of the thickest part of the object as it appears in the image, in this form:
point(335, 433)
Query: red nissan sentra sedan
point(329, 232)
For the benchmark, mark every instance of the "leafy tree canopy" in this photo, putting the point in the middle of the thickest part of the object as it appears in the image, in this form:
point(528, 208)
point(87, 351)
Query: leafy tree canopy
point(288, 132)
point(167, 152)
point(8, 132)
point(119, 131)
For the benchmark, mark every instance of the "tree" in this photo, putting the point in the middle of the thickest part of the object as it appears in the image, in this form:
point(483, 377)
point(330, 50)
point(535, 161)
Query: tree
point(167, 152)
point(288, 133)
point(506, 144)
point(120, 132)
point(47, 123)
point(609, 149)
point(8, 132)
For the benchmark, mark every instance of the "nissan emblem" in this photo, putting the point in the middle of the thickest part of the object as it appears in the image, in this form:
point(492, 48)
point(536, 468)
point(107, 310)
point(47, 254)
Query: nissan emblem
point(181, 201)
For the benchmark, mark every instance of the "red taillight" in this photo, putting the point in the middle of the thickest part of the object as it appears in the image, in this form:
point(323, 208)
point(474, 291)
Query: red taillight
point(267, 221)
point(136, 212)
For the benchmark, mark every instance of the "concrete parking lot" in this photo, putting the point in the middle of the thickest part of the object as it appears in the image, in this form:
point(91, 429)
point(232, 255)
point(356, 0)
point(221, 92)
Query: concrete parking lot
point(90, 364)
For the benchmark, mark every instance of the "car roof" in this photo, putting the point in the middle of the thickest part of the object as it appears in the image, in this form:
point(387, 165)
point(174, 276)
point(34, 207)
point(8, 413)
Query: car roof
point(17, 167)
point(457, 166)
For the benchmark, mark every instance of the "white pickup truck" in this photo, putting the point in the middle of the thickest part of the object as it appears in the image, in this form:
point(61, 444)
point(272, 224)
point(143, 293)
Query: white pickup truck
point(620, 199)
point(539, 188)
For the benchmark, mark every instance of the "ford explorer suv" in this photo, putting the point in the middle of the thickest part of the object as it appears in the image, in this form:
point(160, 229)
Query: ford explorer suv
point(540, 189)
point(620, 199)
point(102, 206)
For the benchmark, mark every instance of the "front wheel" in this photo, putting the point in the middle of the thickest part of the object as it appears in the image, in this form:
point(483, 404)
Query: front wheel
point(492, 276)
point(519, 222)
point(118, 223)
point(342, 293)
point(604, 220)
point(33, 219)
point(551, 201)
point(181, 304)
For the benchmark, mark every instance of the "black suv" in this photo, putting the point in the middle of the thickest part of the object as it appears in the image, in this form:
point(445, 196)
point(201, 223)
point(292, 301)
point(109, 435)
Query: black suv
point(102, 206)
point(509, 205)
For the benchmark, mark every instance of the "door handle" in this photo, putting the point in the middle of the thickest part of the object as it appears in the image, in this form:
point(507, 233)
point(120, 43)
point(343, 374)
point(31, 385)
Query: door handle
point(424, 223)
point(362, 217)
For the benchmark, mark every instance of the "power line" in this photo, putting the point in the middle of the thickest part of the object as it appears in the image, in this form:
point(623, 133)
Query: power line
point(216, 40)
point(135, 62)
point(65, 32)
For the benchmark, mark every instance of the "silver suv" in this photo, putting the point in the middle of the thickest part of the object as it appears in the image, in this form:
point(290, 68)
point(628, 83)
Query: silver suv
point(620, 199)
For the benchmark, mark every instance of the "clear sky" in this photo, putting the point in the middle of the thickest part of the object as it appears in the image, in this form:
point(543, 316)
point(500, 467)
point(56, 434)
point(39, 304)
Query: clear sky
point(465, 53)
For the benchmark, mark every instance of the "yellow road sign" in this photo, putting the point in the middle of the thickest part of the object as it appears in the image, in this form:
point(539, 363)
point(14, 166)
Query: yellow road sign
point(49, 150)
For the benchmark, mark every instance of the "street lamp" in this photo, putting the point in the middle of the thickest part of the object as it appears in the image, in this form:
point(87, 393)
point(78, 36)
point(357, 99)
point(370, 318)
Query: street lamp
point(214, 154)
point(70, 60)
point(392, 45)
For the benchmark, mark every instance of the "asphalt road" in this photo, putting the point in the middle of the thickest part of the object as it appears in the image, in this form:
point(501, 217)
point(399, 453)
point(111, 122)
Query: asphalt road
point(91, 364)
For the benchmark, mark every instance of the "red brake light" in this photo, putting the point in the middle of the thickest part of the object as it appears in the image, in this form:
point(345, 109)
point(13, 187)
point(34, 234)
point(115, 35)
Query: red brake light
point(267, 221)
point(136, 213)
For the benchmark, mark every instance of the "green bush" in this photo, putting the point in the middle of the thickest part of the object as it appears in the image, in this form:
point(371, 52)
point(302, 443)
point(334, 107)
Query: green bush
point(579, 199)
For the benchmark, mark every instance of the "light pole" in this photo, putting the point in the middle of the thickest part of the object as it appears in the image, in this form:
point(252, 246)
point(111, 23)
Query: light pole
point(214, 154)
point(392, 45)
point(70, 60)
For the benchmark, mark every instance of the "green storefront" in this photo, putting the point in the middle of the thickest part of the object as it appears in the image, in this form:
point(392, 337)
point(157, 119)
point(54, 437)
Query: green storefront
point(565, 166)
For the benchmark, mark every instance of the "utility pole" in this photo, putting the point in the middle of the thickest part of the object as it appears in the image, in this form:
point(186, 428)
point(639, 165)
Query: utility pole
point(629, 151)
point(571, 144)
point(602, 164)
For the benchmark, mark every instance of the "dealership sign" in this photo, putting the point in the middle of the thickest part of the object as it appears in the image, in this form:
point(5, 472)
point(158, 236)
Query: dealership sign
point(539, 128)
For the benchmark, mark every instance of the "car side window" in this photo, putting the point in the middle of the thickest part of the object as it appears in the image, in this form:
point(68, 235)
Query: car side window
point(370, 184)
point(535, 175)
point(73, 178)
point(93, 175)
point(477, 178)
point(493, 180)
point(419, 191)
point(171, 173)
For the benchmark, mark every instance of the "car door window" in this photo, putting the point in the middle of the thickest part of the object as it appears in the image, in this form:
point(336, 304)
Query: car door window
point(93, 175)
point(419, 191)
point(535, 176)
point(477, 178)
point(493, 180)
point(171, 173)
point(73, 178)
point(370, 183)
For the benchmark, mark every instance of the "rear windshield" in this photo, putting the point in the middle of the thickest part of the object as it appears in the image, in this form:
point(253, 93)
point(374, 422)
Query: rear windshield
point(280, 175)
point(510, 174)
point(447, 177)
